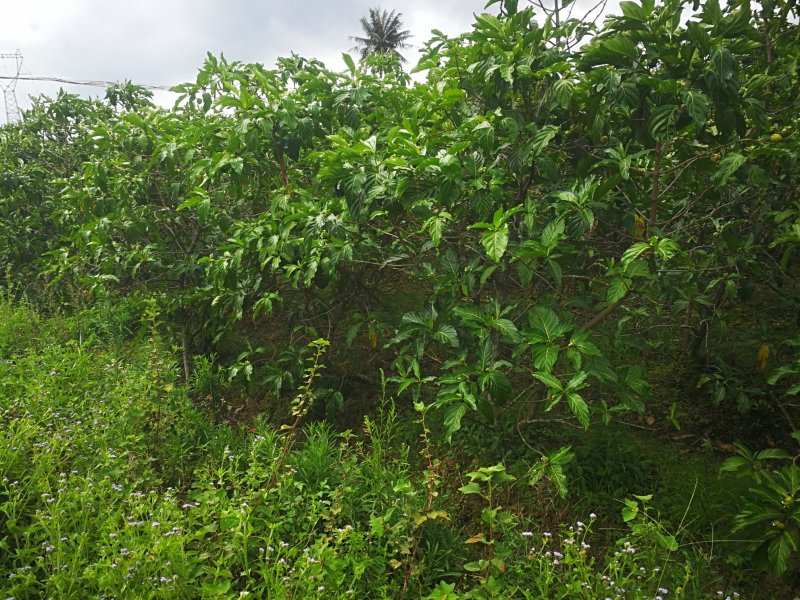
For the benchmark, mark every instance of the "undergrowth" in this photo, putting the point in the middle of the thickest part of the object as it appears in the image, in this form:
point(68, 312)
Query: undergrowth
point(113, 483)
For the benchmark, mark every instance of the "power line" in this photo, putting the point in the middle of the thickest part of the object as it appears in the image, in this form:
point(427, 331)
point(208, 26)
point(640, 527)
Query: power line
point(89, 82)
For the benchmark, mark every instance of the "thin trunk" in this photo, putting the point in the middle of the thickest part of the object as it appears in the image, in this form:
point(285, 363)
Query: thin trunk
point(187, 359)
point(601, 316)
point(284, 174)
point(654, 192)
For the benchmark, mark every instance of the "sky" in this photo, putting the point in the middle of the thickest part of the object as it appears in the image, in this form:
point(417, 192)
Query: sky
point(164, 42)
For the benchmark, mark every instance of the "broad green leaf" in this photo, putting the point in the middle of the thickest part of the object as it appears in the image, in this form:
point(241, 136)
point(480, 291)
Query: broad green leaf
point(447, 335)
point(779, 551)
point(472, 487)
point(633, 10)
point(668, 542)
point(630, 511)
point(579, 408)
point(452, 420)
point(549, 380)
point(348, 60)
point(577, 381)
point(540, 140)
point(618, 289)
point(696, 104)
point(553, 233)
point(495, 242)
point(507, 328)
point(727, 167)
point(663, 120)
point(545, 324)
point(733, 464)
point(555, 473)
point(544, 356)
point(619, 51)
point(473, 567)
point(563, 90)
point(580, 340)
point(773, 453)
point(634, 252)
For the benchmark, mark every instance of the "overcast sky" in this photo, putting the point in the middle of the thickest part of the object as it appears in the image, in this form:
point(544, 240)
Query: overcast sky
point(164, 42)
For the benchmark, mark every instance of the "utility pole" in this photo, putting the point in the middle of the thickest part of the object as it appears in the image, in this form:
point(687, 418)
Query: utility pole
point(9, 85)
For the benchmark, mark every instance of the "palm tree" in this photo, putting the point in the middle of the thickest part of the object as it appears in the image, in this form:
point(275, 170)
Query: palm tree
point(382, 34)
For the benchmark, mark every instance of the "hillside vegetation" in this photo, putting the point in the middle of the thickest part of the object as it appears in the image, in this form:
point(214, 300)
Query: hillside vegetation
point(527, 329)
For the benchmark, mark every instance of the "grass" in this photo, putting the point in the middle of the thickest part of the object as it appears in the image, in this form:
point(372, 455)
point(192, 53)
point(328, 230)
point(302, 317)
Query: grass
point(113, 483)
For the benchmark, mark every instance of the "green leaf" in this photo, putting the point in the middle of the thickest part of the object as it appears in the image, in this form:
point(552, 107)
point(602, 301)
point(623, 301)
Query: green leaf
point(779, 373)
point(779, 551)
point(545, 324)
point(544, 356)
point(552, 234)
point(633, 10)
point(447, 335)
point(579, 408)
point(619, 51)
point(507, 328)
point(727, 167)
point(634, 252)
point(471, 488)
point(773, 453)
point(617, 289)
point(490, 23)
point(549, 380)
point(452, 420)
point(668, 542)
point(580, 340)
point(577, 381)
point(555, 473)
point(348, 60)
point(696, 104)
point(663, 120)
point(563, 90)
point(540, 140)
point(495, 242)
point(473, 567)
point(630, 510)
point(734, 464)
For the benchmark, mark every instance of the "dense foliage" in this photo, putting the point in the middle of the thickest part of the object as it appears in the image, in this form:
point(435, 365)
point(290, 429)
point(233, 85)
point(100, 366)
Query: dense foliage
point(562, 227)
point(115, 485)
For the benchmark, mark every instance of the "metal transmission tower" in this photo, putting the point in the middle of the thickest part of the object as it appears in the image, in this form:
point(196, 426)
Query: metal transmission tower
point(9, 85)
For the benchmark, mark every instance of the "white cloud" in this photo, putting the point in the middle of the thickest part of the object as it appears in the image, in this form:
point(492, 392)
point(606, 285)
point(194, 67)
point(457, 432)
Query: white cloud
point(165, 41)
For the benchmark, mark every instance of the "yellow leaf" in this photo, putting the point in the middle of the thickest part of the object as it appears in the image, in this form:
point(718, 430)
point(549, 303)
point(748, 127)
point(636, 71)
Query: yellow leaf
point(476, 538)
point(763, 357)
point(373, 338)
point(638, 226)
